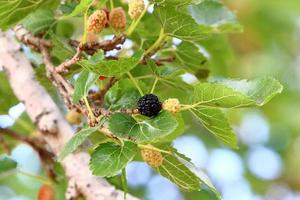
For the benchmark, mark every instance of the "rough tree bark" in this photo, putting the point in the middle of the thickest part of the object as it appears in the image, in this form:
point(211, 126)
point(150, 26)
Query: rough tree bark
point(49, 120)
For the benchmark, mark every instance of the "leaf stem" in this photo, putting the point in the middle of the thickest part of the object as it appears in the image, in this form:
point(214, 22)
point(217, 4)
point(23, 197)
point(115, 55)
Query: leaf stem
point(124, 182)
point(135, 23)
point(36, 177)
point(158, 42)
point(111, 4)
point(154, 85)
point(85, 18)
point(135, 83)
point(154, 148)
point(91, 114)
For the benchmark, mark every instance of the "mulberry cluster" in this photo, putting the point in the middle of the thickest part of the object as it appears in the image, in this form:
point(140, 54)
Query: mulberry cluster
point(117, 18)
point(172, 105)
point(136, 8)
point(149, 105)
point(152, 157)
point(97, 21)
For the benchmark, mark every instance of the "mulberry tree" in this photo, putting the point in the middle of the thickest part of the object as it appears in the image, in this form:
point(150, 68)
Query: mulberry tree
point(105, 83)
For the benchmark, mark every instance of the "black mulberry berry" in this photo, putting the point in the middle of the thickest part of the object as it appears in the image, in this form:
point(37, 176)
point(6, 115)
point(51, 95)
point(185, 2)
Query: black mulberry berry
point(149, 105)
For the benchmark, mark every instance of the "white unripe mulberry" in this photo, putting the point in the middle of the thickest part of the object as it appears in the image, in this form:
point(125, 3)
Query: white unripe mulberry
point(136, 8)
point(172, 105)
point(117, 18)
point(97, 21)
point(152, 157)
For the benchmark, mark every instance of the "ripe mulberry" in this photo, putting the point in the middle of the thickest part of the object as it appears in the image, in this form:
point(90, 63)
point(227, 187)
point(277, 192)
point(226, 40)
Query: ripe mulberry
point(136, 8)
point(117, 18)
point(97, 21)
point(149, 105)
point(172, 105)
point(46, 192)
point(152, 157)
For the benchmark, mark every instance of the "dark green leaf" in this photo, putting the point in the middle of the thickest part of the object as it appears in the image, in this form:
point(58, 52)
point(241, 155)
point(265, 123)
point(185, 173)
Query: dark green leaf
point(112, 67)
point(77, 140)
point(122, 95)
point(7, 98)
point(109, 158)
point(7, 164)
point(189, 57)
point(61, 49)
point(40, 20)
point(149, 130)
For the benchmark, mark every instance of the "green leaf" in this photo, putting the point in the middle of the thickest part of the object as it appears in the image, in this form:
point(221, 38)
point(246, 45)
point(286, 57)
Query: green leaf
point(177, 132)
point(81, 8)
point(205, 180)
point(179, 24)
point(215, 16)
point(122, 95)
point(112, 67)
point(77, 140)
point(189, 57)
point(109, 158)
point(178, 173)
point(216, 122)
point(176, 3)
point(149, 130)
point(61, 49)
point(7, 98)
point(40, 20)
point(7, 164)
point(12, 12)
point(82, 85)
point(233, 93)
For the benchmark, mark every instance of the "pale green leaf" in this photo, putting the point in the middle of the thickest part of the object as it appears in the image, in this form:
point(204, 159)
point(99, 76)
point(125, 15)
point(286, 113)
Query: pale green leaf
point(112, 67)
point(236, 93)
point(215, 16)
point(81, 8)
point(109, 158)
point(176, 3)
point(216, 122)
point(12, 11)
point(149, 130)
point(179, 24)
point(178, 173)
point(82, 85)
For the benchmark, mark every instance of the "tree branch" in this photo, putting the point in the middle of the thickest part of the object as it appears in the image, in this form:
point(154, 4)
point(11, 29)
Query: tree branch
point(50, 121)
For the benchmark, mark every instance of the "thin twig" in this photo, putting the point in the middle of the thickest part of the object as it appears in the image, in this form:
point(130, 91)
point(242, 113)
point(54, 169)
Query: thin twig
point(107, 45)
point(65, 66)
point(36, 143)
